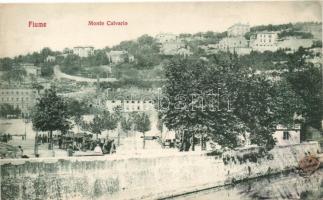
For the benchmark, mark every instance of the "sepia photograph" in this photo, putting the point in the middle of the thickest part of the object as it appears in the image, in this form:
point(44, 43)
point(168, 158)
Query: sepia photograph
point(183, 100)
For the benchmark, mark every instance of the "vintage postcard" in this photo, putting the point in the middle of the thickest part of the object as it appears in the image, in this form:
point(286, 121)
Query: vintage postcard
point(161, 100)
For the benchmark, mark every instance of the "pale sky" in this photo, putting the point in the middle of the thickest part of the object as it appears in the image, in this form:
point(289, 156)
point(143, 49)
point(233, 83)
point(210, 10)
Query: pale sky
point(67, 24)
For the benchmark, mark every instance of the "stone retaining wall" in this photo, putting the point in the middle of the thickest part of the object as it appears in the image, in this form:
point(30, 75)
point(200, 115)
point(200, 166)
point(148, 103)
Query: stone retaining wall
point(136, 177)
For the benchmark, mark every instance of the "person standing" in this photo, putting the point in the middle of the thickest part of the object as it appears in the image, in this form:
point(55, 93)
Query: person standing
point(113, 147)
point(21, 151)
point(70, 151)
point(98, 149)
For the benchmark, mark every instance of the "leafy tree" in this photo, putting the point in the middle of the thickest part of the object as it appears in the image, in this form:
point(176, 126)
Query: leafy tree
point(243, 103)
point(100, 58)
point(15, 74)
point(37, 86)
point(291, 33)
point(46, 69)
point(45, 52)
point(287, 101)
point(51, 114)
point(76, 109)
point(6, 64)
point(126, 124)
point(142, 124)
point(306, 82)
point(103, 121)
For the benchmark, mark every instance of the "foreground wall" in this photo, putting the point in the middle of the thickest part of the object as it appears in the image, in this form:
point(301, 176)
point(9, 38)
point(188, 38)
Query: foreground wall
point(150, 177)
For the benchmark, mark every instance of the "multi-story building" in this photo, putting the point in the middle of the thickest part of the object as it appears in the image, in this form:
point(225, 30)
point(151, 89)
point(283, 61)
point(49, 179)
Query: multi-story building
point(232, 42)
point(264, 41)
point(131, 105)
point(83, 51)
point(238, 29)
point(19, 97)
point(117, 56)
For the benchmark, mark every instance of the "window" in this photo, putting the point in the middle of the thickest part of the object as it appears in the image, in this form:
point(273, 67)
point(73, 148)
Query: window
point(17, 99)
point(286, 135)
point(138, 108)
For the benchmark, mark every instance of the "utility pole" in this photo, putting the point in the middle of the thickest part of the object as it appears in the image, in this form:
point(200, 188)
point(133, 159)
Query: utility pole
point(193, 143)
point(36, 145)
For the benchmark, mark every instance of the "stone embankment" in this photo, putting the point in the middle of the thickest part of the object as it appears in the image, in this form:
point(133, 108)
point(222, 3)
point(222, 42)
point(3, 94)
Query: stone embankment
point(138, 176)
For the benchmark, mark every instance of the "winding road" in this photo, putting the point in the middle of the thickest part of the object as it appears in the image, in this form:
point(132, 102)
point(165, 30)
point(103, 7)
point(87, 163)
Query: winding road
point(59, 74)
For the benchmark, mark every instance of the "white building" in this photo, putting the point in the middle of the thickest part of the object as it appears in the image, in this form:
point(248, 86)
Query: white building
point(19, 97)
point(238, 29)
point(264, 41)
point(287, 136)
point(232, 42)
point(184, 52)
point(83, 51)
point(130, 105)
point(50, 59)
point(119, 56)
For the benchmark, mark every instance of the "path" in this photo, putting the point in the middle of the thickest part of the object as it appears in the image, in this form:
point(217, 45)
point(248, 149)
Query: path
point(59, 74)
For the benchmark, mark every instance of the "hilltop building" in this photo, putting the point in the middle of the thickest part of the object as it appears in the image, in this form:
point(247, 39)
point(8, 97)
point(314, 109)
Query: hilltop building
point(50, 59)
point(119, 56)
point(238, 29)
point(83, 51)
point(264, 41)
point(232, 42)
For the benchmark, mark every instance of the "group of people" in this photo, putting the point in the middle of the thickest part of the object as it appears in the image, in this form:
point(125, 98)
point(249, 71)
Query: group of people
point(106, 147)
point(5, 137)
point(41, 139)
point(99, 146)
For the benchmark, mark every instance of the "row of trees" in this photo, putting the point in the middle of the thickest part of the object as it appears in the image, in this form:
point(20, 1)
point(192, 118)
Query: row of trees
point(145, 50)
point(243, 102)
point(54, 113)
